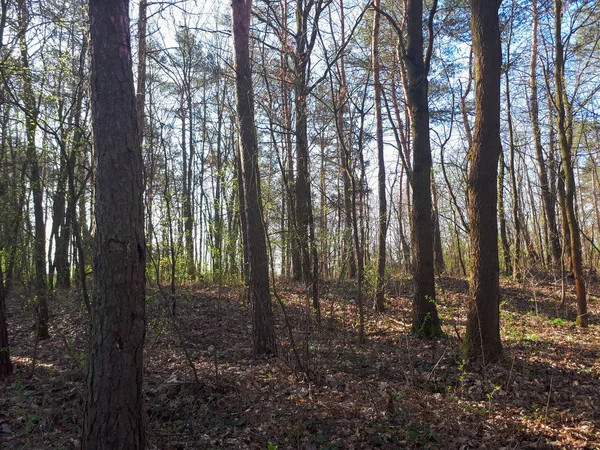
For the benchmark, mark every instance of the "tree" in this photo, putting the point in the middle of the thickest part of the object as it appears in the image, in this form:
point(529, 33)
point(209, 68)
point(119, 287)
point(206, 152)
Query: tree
point(546, 192)
point(382, 222)
point(425, 318)
point(5, 363)
point(348, 254)
point(113, 415)
point(565, 142)
point(31, 117)
point(263, 328)
point(306, 36)
point(482, 341)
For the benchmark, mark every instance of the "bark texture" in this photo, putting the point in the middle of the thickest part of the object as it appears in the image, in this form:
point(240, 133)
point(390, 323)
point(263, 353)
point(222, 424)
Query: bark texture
point(425, 317)
point(382, 221)
point(263, 328)
point(113, 416)
point(482, 341)
point(565, 142)
point(548, 200)
point(5, 363)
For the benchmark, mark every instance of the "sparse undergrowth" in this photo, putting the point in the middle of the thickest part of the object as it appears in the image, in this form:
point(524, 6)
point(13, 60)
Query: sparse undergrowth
point(396, 391)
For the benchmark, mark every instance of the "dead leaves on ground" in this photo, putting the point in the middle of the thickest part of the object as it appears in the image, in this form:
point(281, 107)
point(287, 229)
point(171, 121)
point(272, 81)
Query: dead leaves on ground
point(395, 391)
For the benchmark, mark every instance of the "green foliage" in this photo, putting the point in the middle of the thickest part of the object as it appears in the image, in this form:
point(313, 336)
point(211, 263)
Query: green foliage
point(558, 321)
point(20, 388)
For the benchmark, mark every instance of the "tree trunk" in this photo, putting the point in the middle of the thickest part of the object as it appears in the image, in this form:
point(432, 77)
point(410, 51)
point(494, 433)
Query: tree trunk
point(39, 245)
point(438, 250)
point(114, 413)
point(186, 195)
point(245, 263)
point(425, 317)
point(5, 363)
point(263, 328)
point(565, 144)
point(502, 218)
point(348, 254)
point(382, 218)
point(513, 180)
point(482, 340)
point(547, 197)
point(140, 95)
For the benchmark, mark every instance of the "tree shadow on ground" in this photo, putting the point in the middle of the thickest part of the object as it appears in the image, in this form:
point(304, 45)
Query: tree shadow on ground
point(394, 391)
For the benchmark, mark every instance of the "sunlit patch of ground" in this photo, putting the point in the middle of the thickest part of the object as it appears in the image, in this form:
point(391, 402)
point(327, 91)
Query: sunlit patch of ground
point(204, 390)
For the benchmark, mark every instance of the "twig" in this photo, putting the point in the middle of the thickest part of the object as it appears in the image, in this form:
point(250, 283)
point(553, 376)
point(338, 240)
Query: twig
point(434, 367)
point(512, 365)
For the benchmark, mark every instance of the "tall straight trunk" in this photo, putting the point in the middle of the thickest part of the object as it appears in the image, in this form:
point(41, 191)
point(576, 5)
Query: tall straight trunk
point(60, 229)
point(70, 224)
point(437, 235)
point(39, 240)
point(348, 253)
point(595, 190)
point(59, 200)
point(558, 184)
point(140, 95)
point(529, 239)
point(186, 195)
point(294, 243)
point(6, 367)
point(547, 197)
point(218, 225)
point(307, 15)
point(402, 141)
point(324, 244)
point(405, 247)
point(382, 218)
point(482, 340)
point(114, 412)
point(140, 99)
point(565, 144)
point(425, 317)
point(502, 218)
point(302, 186)
point(245, 262)
point(358, 237)
point(513, 180)
point(263, 327)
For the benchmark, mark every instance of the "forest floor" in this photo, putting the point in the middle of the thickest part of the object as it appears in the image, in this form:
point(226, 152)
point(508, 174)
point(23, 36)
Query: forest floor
point(204, 390)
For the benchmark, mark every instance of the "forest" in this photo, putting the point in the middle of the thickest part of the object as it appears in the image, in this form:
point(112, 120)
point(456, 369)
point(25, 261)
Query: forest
point(299, 224)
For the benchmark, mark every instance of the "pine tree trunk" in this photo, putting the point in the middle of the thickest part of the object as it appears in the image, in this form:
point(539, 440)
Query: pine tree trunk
point(425, 317)
point(5, 363)
point(382, 218)
point(513, 184)
point(114, 413)
point(565, 144)
point(348, 254)
point(502, 218)
point(437, 235)
point(39, 245)
point(482, 341)
point(263, 328)
point(547, 197)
